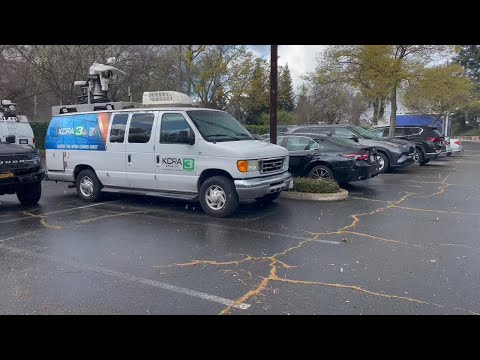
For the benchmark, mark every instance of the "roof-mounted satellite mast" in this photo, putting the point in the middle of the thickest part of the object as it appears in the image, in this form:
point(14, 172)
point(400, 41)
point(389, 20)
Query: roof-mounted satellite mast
point(95, 91)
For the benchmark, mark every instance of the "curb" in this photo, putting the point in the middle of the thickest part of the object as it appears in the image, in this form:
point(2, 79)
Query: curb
point(342, 195)
point(467, 138)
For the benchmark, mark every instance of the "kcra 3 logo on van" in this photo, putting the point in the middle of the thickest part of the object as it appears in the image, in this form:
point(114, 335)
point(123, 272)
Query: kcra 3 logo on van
point(177, 163)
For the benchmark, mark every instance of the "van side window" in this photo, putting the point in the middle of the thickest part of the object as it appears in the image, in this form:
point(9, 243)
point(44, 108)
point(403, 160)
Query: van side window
point(140, 129)
point(119, 125)
point(175, 129)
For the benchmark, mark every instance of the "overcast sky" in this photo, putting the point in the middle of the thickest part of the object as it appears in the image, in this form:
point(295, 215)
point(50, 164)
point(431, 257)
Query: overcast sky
point(301, 59)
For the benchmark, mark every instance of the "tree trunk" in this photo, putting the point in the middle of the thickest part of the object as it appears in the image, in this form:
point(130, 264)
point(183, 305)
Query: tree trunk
point(381, 109)
point(393, 112)
point(378, 110)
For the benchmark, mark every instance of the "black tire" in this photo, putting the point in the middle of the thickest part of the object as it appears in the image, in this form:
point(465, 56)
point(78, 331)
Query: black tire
point(267, 199)
point(84, 191)
point(29, 194)
point(321, 172)
point(225, 198)
point(449, 154)
point(425, 162)
point(386, 163)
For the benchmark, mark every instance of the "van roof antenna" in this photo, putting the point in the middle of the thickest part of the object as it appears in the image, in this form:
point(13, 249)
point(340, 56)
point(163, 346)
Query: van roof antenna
point(97, 84)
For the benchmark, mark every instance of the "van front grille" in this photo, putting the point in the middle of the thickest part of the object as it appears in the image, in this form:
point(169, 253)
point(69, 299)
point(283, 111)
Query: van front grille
point(271, 165)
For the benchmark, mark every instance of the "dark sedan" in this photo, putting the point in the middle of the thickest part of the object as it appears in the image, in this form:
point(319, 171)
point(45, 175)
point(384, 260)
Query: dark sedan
point(392, 152)
point(329, 158)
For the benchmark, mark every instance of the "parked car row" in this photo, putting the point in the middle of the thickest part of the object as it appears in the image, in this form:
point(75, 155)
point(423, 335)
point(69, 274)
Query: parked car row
point(348, 153)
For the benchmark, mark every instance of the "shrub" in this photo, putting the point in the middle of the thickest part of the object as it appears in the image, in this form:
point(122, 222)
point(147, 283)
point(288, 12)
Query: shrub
point(307, 185)
point(258, 129)
point(39, 131)
point(472, 132)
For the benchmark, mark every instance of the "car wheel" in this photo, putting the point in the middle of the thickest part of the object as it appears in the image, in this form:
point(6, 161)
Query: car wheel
point(218, 196)
point(29, 194)
point(88, 186)
point(384, 163)
point(449, 154)
point(267, 199)
point(321, 172)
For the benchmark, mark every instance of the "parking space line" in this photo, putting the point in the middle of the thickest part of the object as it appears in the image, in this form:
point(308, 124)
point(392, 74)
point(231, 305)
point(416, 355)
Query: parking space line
point(129, 277)
point(59, 211)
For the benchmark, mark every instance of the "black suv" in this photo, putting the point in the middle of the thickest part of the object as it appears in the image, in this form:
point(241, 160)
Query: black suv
point(21, 173)
point(391, 152)
point(430, 143)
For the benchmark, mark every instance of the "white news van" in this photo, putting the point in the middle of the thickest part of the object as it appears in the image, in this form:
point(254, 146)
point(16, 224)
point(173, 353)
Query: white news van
point(165, 148)
point(14, 128)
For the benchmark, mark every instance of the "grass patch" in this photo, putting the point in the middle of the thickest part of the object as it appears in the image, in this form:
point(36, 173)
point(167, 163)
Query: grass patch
point(307, 185)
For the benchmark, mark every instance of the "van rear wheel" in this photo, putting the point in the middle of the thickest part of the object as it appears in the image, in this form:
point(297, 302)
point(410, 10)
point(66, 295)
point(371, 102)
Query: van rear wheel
point(88, 186)
point(218, 196)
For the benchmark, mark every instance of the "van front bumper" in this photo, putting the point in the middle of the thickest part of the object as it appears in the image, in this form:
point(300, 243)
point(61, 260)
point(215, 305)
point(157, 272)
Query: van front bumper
point(255, 188)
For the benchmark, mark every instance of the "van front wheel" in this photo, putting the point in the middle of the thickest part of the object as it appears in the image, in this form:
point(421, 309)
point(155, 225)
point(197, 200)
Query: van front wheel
point(88, 186)
point(218, 196)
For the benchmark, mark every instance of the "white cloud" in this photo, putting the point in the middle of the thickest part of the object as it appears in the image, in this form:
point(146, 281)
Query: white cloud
point(301, 59)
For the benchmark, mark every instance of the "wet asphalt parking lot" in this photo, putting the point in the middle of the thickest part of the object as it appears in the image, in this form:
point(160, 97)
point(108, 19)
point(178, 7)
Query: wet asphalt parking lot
point(407, 242)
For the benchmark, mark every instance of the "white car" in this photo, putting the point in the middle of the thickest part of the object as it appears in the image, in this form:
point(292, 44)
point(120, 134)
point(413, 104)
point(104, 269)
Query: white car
point(453, 145)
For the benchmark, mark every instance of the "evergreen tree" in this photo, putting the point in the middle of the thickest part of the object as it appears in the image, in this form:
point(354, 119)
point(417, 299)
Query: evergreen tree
point(469, 58)
point(286, 98)
point(257, 94)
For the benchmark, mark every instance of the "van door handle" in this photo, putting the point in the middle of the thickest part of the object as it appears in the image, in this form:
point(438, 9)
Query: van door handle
point(158, 159)
point(129, 158)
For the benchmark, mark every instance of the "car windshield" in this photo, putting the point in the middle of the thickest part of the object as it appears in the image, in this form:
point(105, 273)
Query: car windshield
point(364, 133)
point(218, 126)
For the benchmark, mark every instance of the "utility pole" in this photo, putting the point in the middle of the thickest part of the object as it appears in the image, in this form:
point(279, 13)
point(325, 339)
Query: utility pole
point(35, 108)
point(273, 93)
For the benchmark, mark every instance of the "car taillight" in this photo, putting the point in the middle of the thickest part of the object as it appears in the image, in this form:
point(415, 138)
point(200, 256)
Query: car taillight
point(457, 142)
point(33, 141)
point(434, 139)
point(356, 156)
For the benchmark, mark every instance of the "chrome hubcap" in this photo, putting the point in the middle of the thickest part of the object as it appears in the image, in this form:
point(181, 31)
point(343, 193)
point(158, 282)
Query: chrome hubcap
point(416, 157)
point(86, 186)
point(320, 173)
point(215, 197)
point(381, 162)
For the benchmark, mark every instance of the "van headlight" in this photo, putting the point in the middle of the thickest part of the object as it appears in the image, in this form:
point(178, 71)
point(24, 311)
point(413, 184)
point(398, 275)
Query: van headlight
point(285, 164)
point(247, 165)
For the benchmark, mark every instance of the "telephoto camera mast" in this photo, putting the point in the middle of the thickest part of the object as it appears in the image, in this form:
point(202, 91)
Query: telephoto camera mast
point(95, 91)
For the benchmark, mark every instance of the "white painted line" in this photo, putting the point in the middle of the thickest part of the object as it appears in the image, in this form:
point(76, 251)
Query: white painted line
point(58, 211)
point(128, 277)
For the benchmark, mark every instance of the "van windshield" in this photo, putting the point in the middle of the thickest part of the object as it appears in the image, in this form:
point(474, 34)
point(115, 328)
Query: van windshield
point(217, 126)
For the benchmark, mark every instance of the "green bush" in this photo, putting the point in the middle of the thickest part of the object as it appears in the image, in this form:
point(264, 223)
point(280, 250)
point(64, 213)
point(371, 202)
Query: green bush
point(39, 131)
point(471, 132)
point(258, 129)
point(307, 185)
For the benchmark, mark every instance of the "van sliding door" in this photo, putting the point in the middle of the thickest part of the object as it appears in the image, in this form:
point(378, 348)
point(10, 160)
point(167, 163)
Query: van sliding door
point(140, 151)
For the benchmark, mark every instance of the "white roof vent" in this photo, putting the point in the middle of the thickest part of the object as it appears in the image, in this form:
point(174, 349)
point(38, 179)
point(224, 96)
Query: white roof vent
point(166, 98)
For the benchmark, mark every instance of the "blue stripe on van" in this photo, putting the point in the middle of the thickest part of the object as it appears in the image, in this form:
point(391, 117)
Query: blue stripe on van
point(74, 132)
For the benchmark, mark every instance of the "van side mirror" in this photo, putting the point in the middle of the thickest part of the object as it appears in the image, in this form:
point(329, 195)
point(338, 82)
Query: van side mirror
point(354, 138)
